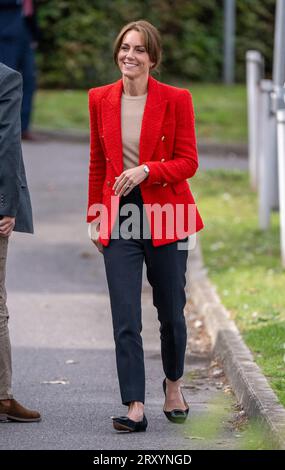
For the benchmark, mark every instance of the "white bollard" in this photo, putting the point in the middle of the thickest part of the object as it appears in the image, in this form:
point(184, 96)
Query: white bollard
point(254, 74)
point(281, 173)
point(267, 150)
point(276, 103)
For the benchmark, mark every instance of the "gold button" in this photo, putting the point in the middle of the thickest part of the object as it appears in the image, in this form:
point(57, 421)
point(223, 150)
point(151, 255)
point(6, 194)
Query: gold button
point(163, 138)
point(162, 160)
point(109, 183)
point(164, 184)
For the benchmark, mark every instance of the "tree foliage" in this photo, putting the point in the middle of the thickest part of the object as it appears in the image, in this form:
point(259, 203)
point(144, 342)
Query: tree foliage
point(77, 37)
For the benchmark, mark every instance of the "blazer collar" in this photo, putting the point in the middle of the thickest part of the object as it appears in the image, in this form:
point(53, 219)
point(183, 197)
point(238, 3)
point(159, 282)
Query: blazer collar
point(153, 93)
point(151, 123)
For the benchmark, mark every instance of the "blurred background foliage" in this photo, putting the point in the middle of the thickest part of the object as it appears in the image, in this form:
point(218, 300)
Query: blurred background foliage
point(75, 51)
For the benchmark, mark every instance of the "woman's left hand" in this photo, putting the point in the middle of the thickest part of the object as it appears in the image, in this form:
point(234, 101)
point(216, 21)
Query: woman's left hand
point(128, 180)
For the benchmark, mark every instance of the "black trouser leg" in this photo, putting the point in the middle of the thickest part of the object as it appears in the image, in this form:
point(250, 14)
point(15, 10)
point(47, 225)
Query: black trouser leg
point(166, 267)
point(124, 263)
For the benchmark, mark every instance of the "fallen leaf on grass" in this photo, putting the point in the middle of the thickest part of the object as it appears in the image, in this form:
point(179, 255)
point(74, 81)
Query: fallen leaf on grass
point(86, 254)
point(218, 373)
point(198, 324)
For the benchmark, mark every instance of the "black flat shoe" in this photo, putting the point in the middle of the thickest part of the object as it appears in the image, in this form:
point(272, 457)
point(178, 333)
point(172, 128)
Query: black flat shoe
point(123, 423)
point(176, 416)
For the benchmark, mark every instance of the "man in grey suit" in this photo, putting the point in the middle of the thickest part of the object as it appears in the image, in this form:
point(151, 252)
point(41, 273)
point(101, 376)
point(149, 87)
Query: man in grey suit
point(15, 214)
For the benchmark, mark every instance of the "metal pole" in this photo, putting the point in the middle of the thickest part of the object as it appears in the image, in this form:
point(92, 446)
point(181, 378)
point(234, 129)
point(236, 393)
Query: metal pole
point(267, 148)
point(229, 41)
point(279, 45)
point(278, 105)
point(278, 83)
point(254, 74)
point(281, 173)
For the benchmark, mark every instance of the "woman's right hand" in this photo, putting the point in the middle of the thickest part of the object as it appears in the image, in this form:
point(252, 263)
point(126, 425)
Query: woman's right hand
point(94, 236)
point(98, 245)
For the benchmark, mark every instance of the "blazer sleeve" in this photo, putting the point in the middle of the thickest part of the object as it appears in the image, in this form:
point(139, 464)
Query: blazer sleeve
point(184, 163)
point(10, 143)
point(97, 163)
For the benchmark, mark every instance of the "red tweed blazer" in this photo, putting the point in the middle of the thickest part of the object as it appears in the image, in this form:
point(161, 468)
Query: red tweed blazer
point(167, 146)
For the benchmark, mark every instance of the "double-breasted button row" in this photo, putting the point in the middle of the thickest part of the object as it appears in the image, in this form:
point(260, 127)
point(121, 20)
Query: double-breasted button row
point(163, 159)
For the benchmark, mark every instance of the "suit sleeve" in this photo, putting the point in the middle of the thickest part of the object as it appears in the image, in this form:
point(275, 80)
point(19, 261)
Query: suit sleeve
point(10, 143)
point(97, 163)
point(184, 163)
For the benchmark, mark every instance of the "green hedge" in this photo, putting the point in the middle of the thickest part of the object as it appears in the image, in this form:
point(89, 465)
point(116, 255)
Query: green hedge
point(77, 37)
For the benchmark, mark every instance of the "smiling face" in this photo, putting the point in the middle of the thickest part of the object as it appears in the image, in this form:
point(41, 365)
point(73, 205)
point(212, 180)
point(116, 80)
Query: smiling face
point(133, 59)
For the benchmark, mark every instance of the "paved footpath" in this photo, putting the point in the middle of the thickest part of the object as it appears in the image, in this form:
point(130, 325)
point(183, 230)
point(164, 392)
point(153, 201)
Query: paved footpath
point(63, 353)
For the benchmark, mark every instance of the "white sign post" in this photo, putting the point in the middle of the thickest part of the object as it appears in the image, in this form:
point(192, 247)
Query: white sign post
point(254, 74)
point(267, 146)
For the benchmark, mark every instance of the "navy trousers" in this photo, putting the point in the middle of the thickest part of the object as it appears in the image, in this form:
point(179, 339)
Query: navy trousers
point(165, 268)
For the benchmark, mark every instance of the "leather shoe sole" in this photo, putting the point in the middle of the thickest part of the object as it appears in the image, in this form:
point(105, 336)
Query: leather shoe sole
point(123, 423)
point(16, 412)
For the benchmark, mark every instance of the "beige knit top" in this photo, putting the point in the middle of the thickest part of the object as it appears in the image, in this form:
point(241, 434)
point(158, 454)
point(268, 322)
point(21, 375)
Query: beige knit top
point(132, 109)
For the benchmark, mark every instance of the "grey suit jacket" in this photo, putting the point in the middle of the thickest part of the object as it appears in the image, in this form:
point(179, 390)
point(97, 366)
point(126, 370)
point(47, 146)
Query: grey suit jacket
point(14, 194)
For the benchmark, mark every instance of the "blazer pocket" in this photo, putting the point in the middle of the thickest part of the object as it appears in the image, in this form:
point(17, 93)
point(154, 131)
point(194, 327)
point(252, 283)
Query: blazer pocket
point(168, 122)
point(180, 187)
point(22, 183)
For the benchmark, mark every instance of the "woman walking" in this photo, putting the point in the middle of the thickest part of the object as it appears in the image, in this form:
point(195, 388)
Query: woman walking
point(142, 151)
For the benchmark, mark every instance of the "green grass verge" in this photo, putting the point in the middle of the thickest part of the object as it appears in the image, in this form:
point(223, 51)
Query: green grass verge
point(216, 424)
point(244, 263)
point(65, 109)
point(220, 111)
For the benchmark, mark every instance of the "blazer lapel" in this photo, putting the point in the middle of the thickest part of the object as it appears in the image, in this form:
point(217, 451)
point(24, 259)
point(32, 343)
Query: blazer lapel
point(152, 120)
point(111, 122)
point(151, 123)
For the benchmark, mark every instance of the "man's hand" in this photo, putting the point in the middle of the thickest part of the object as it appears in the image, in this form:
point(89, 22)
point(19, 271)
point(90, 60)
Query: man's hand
point(128, 180)
point(6, 226)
